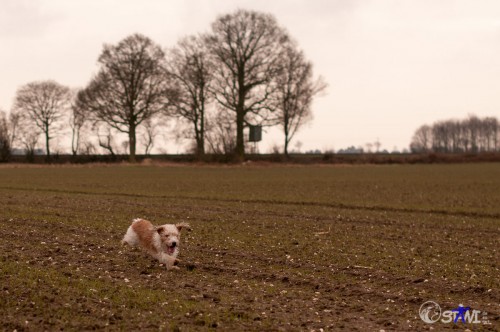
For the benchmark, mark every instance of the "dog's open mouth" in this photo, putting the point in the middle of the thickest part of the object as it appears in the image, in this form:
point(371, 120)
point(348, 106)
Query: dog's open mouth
point(170, 250)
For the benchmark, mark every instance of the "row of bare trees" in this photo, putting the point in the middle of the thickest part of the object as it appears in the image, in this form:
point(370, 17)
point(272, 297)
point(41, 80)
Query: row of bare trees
point(245, 71)
point(472, 135)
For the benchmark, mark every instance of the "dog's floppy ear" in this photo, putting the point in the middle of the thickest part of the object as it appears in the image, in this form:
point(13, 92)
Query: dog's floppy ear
point(182, 225)
point(160, 229)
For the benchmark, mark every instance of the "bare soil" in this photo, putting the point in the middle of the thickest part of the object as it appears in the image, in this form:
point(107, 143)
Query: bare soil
point(256, 259)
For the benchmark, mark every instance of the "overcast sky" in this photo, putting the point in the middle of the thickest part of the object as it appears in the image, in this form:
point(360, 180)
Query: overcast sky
point(391, 65)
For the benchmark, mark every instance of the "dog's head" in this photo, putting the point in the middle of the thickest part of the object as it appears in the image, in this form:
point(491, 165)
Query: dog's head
point(170, 236)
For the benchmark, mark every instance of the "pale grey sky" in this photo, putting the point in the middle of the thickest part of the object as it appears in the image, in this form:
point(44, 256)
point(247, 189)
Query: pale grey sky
point(391, 65)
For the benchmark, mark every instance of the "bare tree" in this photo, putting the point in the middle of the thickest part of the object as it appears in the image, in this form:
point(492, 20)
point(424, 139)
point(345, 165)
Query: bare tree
point(422, 139)
point(44, 103)
point(13, 123)
point(495, 130)
point(190, 71)
point(491, 133)
point(441, 137)
point(130, 86)
point(28, 134)
point(454, 135)
point(106, 140)
point(247, 47)
point(464, 136)
point(473, 123)
point(221, 136)
point(149, 134)
point(88, 148)
point(29, 140)
point(295, 91)
point(4, 137)
point(77, 119)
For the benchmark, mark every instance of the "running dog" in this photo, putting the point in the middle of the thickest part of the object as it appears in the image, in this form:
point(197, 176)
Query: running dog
point(161, 242)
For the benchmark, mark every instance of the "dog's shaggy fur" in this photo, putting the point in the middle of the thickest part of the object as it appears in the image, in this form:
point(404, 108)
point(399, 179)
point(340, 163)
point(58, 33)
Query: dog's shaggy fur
point(161, 242)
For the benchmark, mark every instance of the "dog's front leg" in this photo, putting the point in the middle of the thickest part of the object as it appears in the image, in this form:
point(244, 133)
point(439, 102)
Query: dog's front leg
point(169, 262)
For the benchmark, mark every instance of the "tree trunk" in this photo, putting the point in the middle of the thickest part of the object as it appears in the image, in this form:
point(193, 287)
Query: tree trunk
point(240, 143)
point(200, 150)
point(287, 140)
point(199, 137)
point(286, 146)
point(240, 117)
point(47, 142)
point(131, 138)
point(74, 142)
point(201, 145)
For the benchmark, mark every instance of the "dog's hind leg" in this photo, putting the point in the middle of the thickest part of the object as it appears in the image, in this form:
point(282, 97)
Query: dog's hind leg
point(130, 237)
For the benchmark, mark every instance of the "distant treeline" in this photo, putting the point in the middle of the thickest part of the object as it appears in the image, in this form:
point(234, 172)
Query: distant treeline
point(471, 135)
point(262, 159)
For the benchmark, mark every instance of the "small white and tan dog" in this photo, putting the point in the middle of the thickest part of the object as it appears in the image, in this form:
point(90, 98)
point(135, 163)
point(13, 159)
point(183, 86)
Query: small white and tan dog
point(161, 242)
